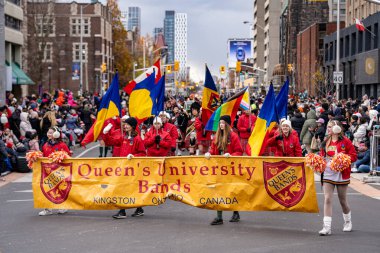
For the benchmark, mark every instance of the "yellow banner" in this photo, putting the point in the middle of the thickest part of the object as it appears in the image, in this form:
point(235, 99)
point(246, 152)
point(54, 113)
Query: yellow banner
point(234, 183)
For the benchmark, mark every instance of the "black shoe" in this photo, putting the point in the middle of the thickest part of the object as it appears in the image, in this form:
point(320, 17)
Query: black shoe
point(217, 221)
point(120, 215)
point(139, 212)
point(235, 217)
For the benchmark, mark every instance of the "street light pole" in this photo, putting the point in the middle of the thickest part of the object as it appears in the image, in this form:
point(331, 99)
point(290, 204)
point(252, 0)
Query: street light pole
point(2, 55)
point(337, 46)
point(81, 53)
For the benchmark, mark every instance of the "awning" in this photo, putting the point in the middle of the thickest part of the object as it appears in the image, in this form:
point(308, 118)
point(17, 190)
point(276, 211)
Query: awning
point(18, 75)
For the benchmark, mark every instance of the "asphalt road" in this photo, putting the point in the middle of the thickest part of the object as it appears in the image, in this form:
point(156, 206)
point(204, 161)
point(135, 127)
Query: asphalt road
point(176, 227)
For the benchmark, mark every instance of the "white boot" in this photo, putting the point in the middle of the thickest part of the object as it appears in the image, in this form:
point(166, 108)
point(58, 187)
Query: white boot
point(326, 230)
point(347, 222)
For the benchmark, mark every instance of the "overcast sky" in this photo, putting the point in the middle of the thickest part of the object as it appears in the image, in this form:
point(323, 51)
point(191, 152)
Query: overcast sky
point(210, 23)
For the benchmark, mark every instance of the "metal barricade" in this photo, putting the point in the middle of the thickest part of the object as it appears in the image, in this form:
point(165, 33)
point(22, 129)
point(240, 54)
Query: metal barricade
point(374, 175)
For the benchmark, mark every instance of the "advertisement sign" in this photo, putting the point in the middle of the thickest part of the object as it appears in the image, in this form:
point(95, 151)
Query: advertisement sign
point(219, 183)
point(239, 50)
point(75, 71)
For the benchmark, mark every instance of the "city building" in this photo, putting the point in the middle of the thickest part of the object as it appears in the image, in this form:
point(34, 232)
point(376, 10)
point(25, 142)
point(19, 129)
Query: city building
point(134, 20)
point(333, 10)
point(258, 33)
point(359, 59)
point(56, 43)
point(180, 45)
point(16, 79)
point(359, 9)
point(310, 54)
point(124, 19)
point(169, 30)
point(157, 31)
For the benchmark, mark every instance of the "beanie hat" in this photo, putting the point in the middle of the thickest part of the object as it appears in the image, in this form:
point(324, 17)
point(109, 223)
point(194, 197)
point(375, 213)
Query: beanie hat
point(157, 120)
point(226, 119)
point(287, 122)
point(132, 122)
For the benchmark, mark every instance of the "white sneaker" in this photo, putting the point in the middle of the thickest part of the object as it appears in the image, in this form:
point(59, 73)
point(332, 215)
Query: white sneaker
point(354, 170)
point(62, 211)
point(45, 212)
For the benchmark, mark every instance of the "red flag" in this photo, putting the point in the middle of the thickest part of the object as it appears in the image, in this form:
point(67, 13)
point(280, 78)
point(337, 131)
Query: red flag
point(156, 68)
point(359, 25)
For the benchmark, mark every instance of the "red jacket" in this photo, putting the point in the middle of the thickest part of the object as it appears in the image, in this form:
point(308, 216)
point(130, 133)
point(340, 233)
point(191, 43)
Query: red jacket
point(233, 146)
point(123, 146)
point(344, 146)
point(161, 149)
point(202, 135)
point(289, 146)
point(172, 131)
point(47, 148)
point(243, 125)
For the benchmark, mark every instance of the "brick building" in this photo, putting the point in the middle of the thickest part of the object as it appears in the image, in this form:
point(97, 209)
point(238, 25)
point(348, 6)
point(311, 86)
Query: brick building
point(53, 52)
point(310, 56)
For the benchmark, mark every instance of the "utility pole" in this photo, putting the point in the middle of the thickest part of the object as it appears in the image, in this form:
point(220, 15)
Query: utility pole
point(337, 47)
point(2, 54)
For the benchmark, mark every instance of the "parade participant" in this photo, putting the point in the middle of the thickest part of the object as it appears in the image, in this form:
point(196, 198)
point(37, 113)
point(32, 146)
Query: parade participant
point(129, 144)
point(157, 141)
point(226, 143)
point(245, 123)
point(203, 136)
point(336, 143)
point(170, 129)
point(54, 143)
point(286, 142)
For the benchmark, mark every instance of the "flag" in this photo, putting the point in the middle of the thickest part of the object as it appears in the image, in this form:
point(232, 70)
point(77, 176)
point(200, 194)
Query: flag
point(230, 107)
point(245, 103)
point(210, 97)
point(110, 106)
point(146, 98)
point(282, 101)
point(264, 123)
point(359, 25)
point(156, 68)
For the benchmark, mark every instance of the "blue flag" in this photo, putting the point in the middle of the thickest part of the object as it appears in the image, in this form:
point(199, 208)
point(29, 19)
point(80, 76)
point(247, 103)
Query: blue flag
point(282, 101)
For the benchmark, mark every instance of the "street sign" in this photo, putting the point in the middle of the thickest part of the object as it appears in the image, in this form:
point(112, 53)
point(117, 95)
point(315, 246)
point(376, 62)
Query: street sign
point(338, 77)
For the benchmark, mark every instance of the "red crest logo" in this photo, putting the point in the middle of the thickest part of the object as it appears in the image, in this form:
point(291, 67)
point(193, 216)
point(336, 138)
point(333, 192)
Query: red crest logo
point(213, 102)
point(285, 182)
point(56, 181)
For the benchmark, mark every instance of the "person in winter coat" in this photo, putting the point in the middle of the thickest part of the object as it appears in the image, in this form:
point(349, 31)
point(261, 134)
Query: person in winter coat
point(360, 134)
point(336, 143)
point(320, 132)
point(157, 141)
point(171, 130)
point(203, 136)
point(54, 143)
point(48, 120)
point(245, 123)
point(362, 165)
point(35, 122)
point(130, 144)
point(226, 143)
point(286, 141)
point(297, 121)
point(25, 125)
point(308, 129)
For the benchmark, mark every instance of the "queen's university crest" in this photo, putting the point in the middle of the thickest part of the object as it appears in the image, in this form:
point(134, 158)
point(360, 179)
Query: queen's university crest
point(285, 182)
point(56, 181)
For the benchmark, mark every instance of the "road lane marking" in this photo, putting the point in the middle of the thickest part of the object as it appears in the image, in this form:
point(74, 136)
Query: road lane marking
point(25, 191)
point(19, 200)
point(87, 150)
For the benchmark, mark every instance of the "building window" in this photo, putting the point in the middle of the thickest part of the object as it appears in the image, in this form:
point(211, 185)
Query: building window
point(360, 42)
point(347, 46)
point(376, 37)
point(368, 39)
point(12, 22)
point(47, 49)
point(76, 52)
point(75, 27)
point(353, 44)
point(16, 2)
point(44, 25)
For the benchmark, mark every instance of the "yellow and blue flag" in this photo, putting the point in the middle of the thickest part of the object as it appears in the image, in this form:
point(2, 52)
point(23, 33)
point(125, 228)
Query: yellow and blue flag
point(265, 122)
point(110, 106)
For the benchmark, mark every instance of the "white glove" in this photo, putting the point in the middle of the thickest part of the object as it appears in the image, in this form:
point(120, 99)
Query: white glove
point(129, 157)
point(207, 155)
point(227, 155)
point(107, 128)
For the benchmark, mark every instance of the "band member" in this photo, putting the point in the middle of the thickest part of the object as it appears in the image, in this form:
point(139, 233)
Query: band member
point(157, 141)
point(336, 143)
point(170, 129)
point(226, 143)
point(54, 143)
point(245, 124)
point(203, 136)
point(129, 144)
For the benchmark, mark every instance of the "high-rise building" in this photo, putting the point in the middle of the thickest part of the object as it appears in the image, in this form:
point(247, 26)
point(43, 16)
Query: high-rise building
point(359, 9)
point(169, 30)
point(157, 31)
point(134, 19)
point(180, 44)
point(333, 10)
point(258, 33)
point(124, 19)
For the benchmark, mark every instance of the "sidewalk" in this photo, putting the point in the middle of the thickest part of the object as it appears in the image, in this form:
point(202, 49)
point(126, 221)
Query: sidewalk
point(369, 189)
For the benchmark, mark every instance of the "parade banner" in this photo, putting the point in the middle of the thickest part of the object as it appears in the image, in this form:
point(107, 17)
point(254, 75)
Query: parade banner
point(218, 183)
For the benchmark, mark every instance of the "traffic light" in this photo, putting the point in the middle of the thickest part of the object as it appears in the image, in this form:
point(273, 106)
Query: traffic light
point(222, 69)
point(169, 69)
point(103, 67)
point(238, 66)
point(176, 66)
